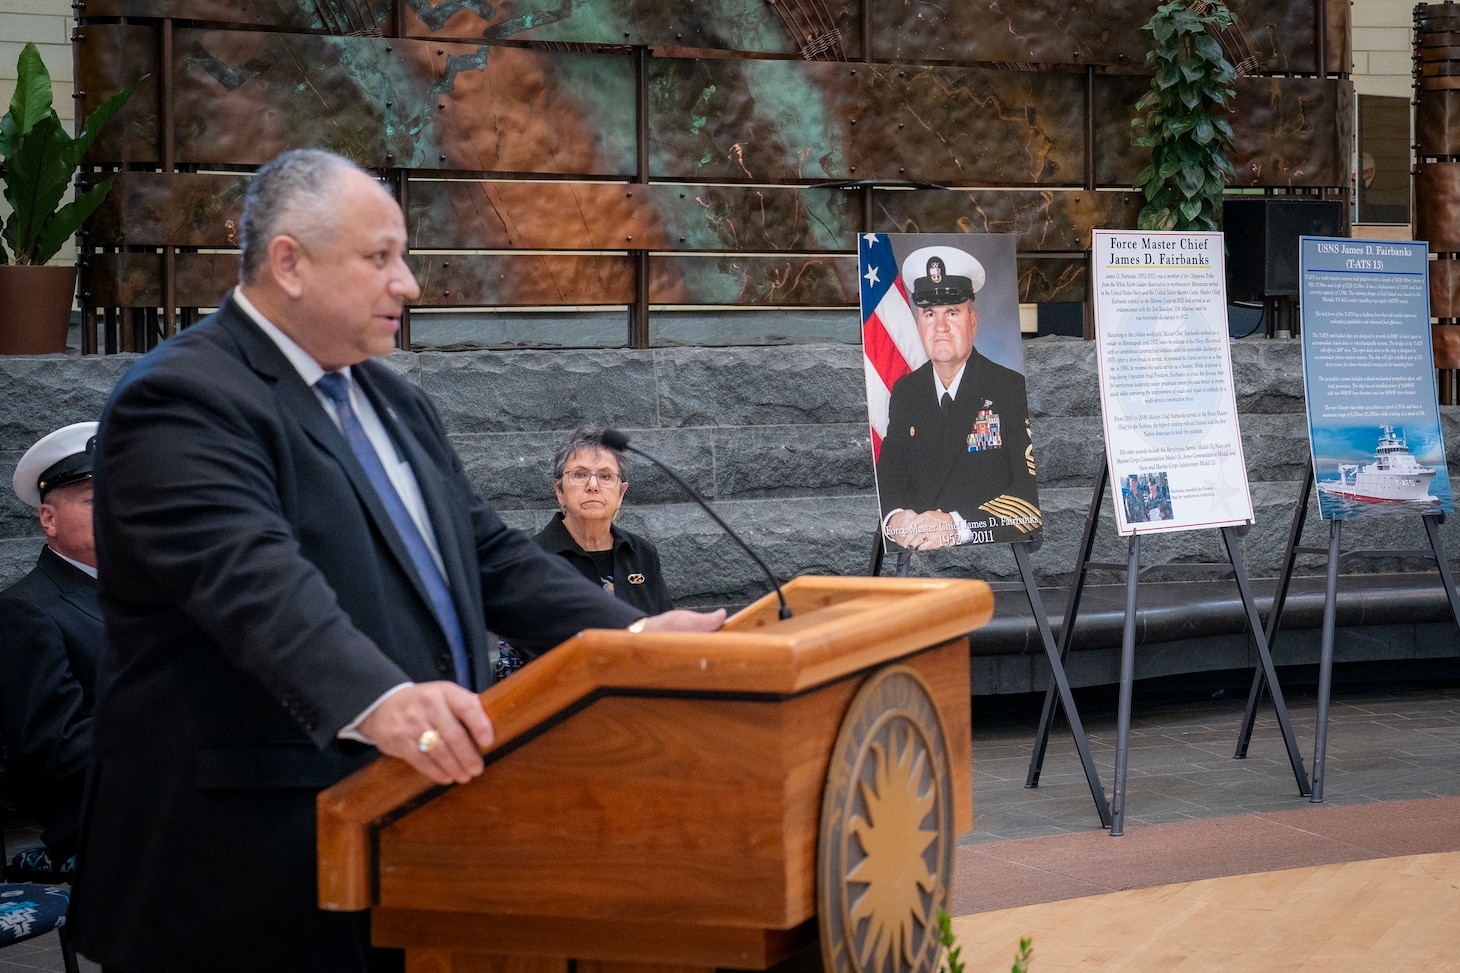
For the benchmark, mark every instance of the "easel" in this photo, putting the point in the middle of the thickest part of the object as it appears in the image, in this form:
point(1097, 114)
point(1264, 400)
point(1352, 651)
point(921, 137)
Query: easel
point(1231, 537)
point(1330, 611)
point(1061, 684)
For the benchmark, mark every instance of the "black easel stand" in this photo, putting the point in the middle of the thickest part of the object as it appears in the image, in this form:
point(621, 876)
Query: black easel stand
point(1022, 550)
point(1231, 539)
point(1261, 678)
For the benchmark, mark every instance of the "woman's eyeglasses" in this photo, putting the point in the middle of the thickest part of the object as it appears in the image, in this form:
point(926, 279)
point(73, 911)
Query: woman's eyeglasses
point(605, 478)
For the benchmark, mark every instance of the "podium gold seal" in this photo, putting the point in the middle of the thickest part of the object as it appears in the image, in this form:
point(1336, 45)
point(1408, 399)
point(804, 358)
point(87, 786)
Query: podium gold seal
point(885, 850)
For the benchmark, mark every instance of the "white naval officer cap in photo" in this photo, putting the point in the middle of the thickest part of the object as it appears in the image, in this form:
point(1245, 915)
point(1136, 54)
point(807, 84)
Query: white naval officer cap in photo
point(942, 275)
point(58, 459)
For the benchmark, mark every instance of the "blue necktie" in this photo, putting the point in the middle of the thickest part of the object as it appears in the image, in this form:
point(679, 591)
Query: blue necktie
point(336, 388)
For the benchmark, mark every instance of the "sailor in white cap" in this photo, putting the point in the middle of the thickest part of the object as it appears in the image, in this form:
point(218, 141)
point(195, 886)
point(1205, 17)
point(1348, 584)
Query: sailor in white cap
point(957, 462)
point(51, 639)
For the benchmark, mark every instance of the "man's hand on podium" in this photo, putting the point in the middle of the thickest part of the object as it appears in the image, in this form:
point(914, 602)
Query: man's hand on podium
point(439, 728)
point(682, 620)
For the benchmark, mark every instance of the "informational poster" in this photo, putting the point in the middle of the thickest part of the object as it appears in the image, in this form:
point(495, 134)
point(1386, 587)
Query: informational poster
point(945, 389)
point(1171, 433)
point(1369, 377)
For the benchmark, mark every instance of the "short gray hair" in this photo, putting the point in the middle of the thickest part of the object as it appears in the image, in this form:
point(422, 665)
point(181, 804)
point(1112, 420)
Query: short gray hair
point(290, 195)
point(586, 437)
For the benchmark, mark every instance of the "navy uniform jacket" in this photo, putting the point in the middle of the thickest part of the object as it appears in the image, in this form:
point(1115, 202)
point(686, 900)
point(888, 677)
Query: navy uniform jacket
point(637, 577)
point(51, 638)
point(925, 463)
point(257, 600)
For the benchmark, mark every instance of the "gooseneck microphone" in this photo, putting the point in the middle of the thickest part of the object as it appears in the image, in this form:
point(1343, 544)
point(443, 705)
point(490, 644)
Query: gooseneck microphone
point(614, 439)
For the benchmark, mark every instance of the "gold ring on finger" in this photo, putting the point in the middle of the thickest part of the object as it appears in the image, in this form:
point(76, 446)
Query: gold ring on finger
point(428, 741)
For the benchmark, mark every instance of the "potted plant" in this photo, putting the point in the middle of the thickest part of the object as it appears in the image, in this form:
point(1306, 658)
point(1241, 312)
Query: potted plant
point(1180, 119)
point(38, 161)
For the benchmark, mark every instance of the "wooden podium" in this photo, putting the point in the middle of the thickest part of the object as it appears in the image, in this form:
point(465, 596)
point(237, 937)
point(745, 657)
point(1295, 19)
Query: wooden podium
point(689, 801)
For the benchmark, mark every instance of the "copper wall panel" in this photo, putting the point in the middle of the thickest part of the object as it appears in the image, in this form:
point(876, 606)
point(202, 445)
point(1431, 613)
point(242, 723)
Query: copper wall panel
point(178, 209)
point(1277, 36)
point(754, 280)
point(578, 216)
point(1043, 279)
point(1445, 340)
point(326, 16)
point(1293, 132)
point(135, 279)
point(1057, 220)
point(107, 59)
point(1269, 35)
point(1437, 121)
point(1437, 219)
point(242, 97)
point(752, 26)
point(1445, 290)
point(748, 120)
point(522, 280)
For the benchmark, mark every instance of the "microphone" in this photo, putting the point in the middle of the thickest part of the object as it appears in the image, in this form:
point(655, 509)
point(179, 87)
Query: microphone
point(614, 439)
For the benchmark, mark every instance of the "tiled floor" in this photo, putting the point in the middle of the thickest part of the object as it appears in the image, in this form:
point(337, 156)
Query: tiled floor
point(1389, 745)
point(1382, 745)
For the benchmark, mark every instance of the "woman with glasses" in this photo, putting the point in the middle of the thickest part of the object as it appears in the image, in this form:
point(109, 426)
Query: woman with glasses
point(590, 481)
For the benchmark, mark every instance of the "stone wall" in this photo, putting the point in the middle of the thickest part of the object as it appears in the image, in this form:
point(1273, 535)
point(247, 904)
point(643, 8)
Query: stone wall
point(778, 438)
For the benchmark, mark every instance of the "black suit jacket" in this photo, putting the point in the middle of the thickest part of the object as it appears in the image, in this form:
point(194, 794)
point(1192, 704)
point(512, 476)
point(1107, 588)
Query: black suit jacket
point(925, 462)
point(257, 600)
point(51, 638)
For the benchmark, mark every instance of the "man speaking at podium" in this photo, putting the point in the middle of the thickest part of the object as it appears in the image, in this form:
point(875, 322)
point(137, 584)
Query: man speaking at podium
point(296, 576)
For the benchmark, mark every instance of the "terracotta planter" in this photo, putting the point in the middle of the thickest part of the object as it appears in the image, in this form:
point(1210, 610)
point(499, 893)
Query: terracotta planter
point(35, 309)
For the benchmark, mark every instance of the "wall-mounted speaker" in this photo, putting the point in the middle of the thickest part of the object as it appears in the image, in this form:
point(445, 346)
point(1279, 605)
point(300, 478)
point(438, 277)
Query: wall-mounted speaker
point(1262, 241)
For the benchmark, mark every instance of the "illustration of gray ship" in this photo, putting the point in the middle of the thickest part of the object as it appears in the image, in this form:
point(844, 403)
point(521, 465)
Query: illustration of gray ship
point(1393, 475)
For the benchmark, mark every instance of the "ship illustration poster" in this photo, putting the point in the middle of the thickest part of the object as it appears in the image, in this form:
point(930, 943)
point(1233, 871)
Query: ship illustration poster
point(1368, 374)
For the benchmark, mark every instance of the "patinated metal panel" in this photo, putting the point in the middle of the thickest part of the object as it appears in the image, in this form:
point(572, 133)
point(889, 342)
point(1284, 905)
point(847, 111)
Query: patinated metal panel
point(1437, 121)
point(1437, 217)
point(754, 280)
point(960, 31)
point(1290, 132)
point(359, 17)
point(242, 97)
point(107, 60)
point(1056, 220)
point(1293, 132)
point(758, 26)
point(1269, 35)
point(579, 216)
point(1043, 279)
point(135, 279)
point(178, 209)
point(748, 120)
point(522, 280)
point(1445, 340)
point(1445, 290)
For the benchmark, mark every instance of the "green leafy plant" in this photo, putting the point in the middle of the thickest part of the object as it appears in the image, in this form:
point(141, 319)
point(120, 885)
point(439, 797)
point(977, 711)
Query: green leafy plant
point(38, 161)
point(1180, 117)
point(1022, 958)
point(952, 960)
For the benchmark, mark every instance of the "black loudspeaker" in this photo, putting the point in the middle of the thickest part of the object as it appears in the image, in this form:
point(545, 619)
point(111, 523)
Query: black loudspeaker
point(1262, 241)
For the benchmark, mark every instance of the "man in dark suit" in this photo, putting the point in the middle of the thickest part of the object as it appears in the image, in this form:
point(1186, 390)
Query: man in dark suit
point(957, 464)
point(51, 637)
point(296, 575)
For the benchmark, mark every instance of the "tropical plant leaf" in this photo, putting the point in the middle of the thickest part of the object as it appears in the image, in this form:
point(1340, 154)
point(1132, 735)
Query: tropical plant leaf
point(64, 223)
point(31, 101)
point(36, 177)
point(41, 160)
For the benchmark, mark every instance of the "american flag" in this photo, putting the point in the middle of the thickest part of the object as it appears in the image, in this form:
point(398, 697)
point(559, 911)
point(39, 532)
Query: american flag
point(890, 344)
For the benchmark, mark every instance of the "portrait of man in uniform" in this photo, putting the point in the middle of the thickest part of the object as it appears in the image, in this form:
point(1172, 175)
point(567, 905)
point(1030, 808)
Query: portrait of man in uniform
point(956, 462)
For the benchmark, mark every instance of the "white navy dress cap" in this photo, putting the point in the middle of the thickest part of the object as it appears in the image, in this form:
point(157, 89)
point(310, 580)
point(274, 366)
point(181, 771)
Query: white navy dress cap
point(942, 275)
point(60, 458)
